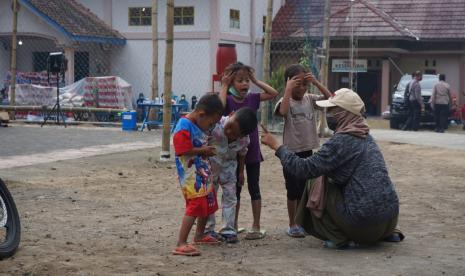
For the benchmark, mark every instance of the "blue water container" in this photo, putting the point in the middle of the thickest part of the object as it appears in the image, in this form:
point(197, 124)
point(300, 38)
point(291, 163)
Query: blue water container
point(129, 120)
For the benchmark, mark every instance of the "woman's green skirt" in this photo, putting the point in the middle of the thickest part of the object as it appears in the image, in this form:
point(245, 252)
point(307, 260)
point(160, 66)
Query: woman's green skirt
point(331, 226)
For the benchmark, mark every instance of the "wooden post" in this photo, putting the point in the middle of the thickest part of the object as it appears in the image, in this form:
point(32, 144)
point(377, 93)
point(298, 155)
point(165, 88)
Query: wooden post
point(324, 72)
point(266, 58)
point(165, 151)
point(69, 74)
point(154, 95)
point(14, 45)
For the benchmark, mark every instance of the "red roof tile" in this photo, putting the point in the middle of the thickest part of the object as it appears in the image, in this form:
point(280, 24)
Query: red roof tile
point(425, 19)
point(74, 20)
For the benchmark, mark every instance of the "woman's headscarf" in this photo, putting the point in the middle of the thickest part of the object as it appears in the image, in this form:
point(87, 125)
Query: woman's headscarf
point(347, 108)
point(350, 123)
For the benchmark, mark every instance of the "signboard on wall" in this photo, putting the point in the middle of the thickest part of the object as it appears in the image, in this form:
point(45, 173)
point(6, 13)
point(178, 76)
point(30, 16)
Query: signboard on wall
point(343, 65)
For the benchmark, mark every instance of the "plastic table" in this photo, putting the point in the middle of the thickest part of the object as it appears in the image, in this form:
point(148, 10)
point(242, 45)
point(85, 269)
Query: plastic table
point(146, 106)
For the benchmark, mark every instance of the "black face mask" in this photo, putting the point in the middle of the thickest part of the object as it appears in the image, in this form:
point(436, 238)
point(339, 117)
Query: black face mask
point(332, 123)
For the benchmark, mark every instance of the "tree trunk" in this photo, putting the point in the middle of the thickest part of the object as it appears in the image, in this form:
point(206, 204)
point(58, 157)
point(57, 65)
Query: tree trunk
point(154, 95)
point(165, 151)
point(266, 58)
point(14, 45)
point(324, 72)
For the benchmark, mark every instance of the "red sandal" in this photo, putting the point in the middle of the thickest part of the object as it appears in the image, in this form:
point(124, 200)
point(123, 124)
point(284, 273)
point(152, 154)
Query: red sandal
point(186, 250)
point(207, 239)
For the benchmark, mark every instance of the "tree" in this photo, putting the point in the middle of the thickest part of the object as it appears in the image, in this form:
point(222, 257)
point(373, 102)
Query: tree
point(154, 56)
point(266, 58)
point(165, 151)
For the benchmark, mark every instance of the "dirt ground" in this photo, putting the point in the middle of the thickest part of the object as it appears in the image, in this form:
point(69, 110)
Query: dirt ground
point(119, 214)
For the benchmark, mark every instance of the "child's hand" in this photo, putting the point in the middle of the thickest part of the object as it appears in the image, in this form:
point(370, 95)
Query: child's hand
point(240, 178)
point(208, 151)
point(292, 83)
point(227, 78)
point(309, 77)
point(252, 77)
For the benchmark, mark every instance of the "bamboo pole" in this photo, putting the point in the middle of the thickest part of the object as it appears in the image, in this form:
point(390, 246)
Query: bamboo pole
point(266, 58)
point(323, 127)
point(154, 95)
point(14, 45)
point(165, 151)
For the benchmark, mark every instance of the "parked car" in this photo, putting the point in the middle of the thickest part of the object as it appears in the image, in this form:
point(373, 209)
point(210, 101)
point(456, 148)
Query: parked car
point(398, 111)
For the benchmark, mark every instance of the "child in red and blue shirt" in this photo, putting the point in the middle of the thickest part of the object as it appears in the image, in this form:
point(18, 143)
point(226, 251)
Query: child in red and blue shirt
point(194, 174)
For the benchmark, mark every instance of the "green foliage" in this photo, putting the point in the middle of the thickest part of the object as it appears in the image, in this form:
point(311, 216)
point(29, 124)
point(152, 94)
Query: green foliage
point(277, 80)
point(307, 55)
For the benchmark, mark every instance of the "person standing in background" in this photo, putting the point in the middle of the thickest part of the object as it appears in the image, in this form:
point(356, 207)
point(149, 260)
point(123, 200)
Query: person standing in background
point(416, 101)
point(408, 122)
point(441, 101)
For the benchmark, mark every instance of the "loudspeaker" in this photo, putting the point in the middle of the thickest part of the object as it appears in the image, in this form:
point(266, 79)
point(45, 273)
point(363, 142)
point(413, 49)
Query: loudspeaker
point(56, 63)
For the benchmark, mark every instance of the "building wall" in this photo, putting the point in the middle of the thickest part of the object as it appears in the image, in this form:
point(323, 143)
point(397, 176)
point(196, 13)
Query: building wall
point(120, 18)
point(27, 23)
point(25, 52)
point(129, 64)
point(259, 61)
point(190, 65)
point(244, 7)
point(31, 24)
point(4, 63)
point(243, 52)
point(96, 6)
point(5, 27)
point(191, 68)
point(192, 56)
point(261, 11)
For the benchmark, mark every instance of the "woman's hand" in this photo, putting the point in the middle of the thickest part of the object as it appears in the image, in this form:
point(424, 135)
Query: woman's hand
point(269, 139)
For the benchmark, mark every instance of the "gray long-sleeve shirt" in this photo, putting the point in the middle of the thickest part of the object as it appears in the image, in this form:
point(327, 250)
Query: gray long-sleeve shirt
point(369, 196)
point(441, 93)
point(415, 93)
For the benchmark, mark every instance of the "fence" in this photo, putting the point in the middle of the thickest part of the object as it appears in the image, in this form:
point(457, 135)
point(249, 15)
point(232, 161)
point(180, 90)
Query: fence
point(296, 38)
point(35, 86)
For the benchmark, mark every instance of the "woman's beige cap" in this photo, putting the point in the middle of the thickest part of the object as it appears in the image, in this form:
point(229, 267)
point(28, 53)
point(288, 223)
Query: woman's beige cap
point(346, 99)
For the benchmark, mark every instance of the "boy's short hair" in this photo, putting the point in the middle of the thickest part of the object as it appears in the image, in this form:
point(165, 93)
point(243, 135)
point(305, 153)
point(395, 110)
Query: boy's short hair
point(293, 70)
point(442, 77)
point(211, 104)
point(247, 120)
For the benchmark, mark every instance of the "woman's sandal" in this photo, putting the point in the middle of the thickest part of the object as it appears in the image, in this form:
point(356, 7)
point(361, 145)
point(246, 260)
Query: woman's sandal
point(186, 250)
point(396, 236)
point(344, 246)
point(255, 235)
point(207, 239)
point(295, 232)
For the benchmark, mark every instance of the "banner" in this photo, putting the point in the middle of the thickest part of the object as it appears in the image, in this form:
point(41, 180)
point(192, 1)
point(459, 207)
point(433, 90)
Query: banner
point(343, 65)
point(105, 92)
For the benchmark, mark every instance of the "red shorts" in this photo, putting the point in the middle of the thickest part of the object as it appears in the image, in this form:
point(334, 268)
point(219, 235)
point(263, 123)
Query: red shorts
point(201, 206)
